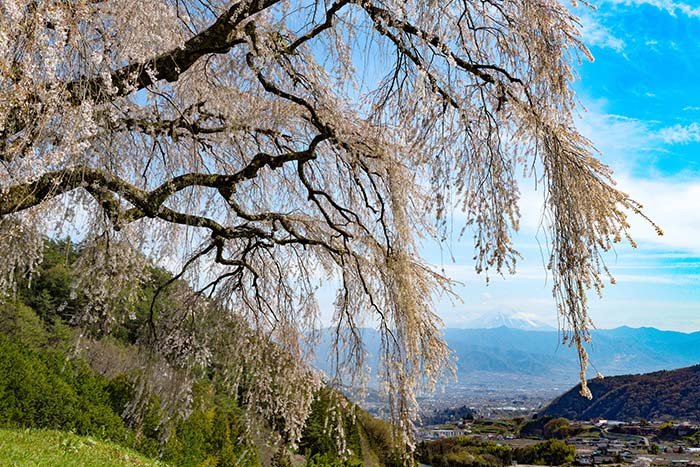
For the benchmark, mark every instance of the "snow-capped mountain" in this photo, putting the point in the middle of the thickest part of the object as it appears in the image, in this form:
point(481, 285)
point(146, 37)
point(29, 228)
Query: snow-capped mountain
point(509, 319)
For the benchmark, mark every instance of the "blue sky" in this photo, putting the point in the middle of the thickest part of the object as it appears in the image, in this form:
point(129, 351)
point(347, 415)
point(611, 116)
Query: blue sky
point(642, 101)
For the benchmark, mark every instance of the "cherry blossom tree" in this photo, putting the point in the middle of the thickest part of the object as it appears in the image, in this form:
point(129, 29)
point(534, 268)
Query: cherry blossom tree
point(265, 147)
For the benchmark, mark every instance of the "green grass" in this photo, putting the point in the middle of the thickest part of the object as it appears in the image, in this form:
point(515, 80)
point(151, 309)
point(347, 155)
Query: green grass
point(48, 448)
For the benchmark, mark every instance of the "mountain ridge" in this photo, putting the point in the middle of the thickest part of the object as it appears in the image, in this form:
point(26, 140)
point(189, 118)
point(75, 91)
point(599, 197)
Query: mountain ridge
point(660, 395)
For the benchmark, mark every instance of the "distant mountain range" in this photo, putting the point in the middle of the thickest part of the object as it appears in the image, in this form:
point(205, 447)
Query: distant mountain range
point(617, 351)
point(653, 396)
point(506, 356)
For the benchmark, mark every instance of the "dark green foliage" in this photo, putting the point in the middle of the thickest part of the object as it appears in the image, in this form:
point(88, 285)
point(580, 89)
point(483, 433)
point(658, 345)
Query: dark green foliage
point(550, 452)
point(652, 396)
point(316, 438)
point(534, 428)
point(41, 387)
point(325, 460)
point(438, 417)
point(558, 428)
point(212, 434)
point(381, 440)
point(121, 391)
point(19, 322)
point(130, 330)
point(45, 389)
point(282, 458)
point(49, 293)
point(149, 431)
point(319, 441)
point(364, 436)
point(463, 451)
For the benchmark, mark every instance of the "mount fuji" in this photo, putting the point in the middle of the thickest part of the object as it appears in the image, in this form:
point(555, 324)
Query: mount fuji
point(508, 319)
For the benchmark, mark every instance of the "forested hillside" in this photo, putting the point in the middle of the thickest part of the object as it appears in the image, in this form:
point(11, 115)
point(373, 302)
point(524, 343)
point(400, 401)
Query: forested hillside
point(661, 395)
point(54, 377)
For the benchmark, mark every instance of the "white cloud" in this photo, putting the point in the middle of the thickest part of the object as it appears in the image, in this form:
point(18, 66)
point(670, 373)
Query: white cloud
point(671, 7)
point(668, 279)
point(681, 134)
point(624, 142)
point(673, 204)
point(595, 34)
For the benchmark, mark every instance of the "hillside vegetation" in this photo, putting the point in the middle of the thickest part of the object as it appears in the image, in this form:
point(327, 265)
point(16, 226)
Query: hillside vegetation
point(46, 384)
point(464, 451)
point(653, 396)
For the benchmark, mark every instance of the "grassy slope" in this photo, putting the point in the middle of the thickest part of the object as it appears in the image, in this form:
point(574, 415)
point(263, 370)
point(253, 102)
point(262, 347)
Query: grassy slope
point(48, 448)
point(369, 457)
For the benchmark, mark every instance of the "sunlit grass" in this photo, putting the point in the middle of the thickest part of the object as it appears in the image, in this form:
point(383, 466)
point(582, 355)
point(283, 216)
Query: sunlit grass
point(60, 449)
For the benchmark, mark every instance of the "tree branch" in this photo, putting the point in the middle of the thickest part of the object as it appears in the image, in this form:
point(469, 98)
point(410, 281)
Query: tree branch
point(102, 185)
point(219, 38)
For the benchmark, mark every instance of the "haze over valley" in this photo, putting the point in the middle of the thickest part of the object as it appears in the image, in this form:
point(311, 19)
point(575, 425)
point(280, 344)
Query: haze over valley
point(515, 353)
point(514, 364)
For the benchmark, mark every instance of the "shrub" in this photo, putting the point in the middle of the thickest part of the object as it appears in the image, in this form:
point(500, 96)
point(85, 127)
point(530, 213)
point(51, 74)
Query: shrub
point(44, 389)
point(212, 434)
point(464, 451)
point(558, 428)
point(550, 452)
